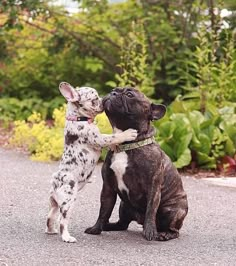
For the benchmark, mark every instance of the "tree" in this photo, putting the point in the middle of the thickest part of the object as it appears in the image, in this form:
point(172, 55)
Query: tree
point(12, 9)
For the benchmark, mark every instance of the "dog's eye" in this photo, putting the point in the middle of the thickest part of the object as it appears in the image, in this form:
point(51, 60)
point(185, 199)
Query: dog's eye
point(129, 94)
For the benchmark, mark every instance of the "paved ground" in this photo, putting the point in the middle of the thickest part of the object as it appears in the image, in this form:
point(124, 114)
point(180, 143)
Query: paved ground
point(208, 236)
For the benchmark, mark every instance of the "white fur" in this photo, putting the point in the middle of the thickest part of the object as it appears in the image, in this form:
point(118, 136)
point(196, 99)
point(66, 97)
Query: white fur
point(119, 162)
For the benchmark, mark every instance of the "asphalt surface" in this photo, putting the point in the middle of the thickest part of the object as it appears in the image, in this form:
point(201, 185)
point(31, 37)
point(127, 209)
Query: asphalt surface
point(208, 236)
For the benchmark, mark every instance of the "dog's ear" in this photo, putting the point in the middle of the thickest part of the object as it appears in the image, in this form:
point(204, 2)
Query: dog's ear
point(157, 111)
point(69, 92)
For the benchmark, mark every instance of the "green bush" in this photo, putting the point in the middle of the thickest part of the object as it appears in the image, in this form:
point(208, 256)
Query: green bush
point(44, 142)
point(174, 136)
point(191, 136)
point(12, 109)
point(186, 136)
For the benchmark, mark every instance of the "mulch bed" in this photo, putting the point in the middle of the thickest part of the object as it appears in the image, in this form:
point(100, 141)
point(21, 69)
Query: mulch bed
point(5, 134)
point(200, 173)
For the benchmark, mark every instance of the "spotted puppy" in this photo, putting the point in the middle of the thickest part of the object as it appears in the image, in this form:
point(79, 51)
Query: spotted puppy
point(83, 144)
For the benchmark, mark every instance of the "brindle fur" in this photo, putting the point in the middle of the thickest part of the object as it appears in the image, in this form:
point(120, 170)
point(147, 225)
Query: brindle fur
point(156, 197)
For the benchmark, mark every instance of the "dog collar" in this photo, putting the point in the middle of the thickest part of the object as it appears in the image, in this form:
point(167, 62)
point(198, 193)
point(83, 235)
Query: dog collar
point(134, 145)
point(81, 118)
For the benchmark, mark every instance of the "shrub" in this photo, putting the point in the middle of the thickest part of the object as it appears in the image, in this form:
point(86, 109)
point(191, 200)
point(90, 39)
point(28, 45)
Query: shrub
point(44, 142)
point(174, 136)
point(190, 136)
point(12, 109)
point(186, 136)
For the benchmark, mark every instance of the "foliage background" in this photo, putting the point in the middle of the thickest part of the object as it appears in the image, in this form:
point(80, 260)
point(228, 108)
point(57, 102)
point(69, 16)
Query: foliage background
point(181, 53)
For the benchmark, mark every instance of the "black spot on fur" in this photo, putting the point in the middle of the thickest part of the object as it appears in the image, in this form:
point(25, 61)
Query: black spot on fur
point(89, 175)
point(72, 184)
point(72, 161)
point(81, 154)
point(64, 214)
point(61, 228)
point(54, 185)
point(70, 138)
point(62, 178)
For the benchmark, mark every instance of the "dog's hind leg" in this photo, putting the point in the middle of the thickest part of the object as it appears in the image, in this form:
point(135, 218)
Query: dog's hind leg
point(170, 230)
point(50, 229)
point(68, 197)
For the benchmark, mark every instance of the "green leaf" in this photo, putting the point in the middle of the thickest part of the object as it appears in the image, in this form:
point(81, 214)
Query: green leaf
point(166, 130)
point(167, 149)
point(229, 147)
point(183, 144)
point(205, 144)
point(205, 161)
point(111, 83)
point(184, 159)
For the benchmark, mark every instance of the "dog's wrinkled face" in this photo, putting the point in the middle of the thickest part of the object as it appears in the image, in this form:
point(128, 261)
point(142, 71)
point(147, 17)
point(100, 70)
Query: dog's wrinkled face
point(83, 101)
point(129, 108)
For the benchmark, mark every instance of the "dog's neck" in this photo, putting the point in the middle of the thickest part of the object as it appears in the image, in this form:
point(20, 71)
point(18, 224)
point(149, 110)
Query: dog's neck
point(142, 134)
point(150, 132)
point(73, 113)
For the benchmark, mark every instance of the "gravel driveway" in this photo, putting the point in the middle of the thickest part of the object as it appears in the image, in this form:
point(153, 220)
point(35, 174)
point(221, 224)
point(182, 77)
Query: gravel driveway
point(208, 236)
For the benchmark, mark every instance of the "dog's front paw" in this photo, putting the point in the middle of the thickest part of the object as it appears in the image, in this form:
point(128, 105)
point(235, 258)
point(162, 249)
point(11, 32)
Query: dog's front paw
point(69, 239)
point(130, 134)
point(93, 231)
point(165, 236)
point(150, 232)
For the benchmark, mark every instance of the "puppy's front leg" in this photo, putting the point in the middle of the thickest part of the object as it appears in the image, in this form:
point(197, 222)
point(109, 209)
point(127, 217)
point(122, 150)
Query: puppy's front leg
point(103, 140)
point(120, 137)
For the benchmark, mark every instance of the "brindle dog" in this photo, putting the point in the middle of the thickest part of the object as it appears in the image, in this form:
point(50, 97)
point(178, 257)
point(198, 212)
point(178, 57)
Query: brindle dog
point(147, 182)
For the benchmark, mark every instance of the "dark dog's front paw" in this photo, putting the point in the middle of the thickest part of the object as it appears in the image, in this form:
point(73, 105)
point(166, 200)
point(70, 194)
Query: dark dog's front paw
point(150, 232)
point(93, 230)
point(165, 236)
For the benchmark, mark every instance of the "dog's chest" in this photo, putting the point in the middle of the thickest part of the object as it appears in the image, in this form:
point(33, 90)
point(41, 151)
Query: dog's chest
point(119, 163)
